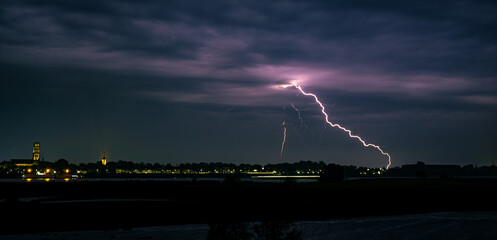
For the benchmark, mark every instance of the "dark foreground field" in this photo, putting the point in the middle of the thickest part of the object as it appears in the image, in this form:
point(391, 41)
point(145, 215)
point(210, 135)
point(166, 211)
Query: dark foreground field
point(106, 205)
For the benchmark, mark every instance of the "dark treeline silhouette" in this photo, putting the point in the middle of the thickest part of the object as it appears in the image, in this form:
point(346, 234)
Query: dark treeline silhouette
point(332, 173)
point(9, 169)
point(128, 168)
point(328, 172)
point(422, 170)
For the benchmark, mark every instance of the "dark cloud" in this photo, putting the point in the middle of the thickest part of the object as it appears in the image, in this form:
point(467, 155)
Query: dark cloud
point(432, 38)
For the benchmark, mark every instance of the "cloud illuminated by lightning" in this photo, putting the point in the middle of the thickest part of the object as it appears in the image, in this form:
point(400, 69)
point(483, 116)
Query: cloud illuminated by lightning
point(298, 87)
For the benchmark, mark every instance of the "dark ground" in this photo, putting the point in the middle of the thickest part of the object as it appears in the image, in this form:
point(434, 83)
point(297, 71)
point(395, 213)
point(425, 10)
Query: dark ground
point(106, 205)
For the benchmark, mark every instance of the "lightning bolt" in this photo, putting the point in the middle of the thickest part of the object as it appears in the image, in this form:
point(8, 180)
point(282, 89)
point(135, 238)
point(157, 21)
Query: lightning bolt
point(284, 140)
point(335, 125)
point(300, 116)
point(302, 123)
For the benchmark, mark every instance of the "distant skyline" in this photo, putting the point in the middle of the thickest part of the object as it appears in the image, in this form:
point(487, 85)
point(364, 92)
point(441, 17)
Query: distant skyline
point(195, 81)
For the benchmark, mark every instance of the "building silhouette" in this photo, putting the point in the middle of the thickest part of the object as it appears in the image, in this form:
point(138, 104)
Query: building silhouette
point(29, 162)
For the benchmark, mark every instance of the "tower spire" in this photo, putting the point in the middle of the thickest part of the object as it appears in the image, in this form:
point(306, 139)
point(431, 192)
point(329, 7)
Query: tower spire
point(36, 151)
point(104, 160)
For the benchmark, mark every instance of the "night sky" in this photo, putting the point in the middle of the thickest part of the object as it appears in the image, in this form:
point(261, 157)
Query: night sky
point(197, 81)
